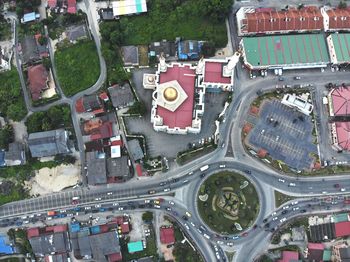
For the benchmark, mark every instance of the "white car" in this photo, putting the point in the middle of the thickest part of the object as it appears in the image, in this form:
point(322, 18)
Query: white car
point(147, 201)
point(220, 242)
point(283, 219)
point(120, 208)
point(292, 184)
point(69, 215)
point(324, 192)
point(206, 236)
point(285, 207)
point(230, 244)
point(273, 214)
point(222, 166)
point(295, 203)
point(188, 214)
point(167, 190)
point(342, 189)
point(295, 208)
point(217, 255)
point(275, 218)
point(281, 180)
point(97, 199)
point(193, 224)
point(109, 193)
point(97, 206)
point(87, 208)
point(191, 173)
point(171, 203)
point(186, 226)
point(156, 206)
point(116, 204)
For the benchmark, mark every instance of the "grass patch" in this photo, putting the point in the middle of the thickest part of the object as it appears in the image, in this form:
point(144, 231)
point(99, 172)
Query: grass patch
point(183, 252)
point(246, 202)
point(143, 55)
point(11, 97)
point(19, 236)
point(230, 255)
point(189, 155)
point(5, 29)
point(281, 198)
point(78, 67)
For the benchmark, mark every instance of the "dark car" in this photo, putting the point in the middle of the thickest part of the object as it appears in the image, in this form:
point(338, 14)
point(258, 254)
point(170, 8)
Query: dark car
point(202, 175)
point(336, 185)
point(247, 172)
point(267, 225)
point(284, 212)
point(255, 226)
point(162, 183)
point(175, 180)
point(151, 192)
point(265, 220)
point(184, 218)
point(303, 211)
point(141, 206)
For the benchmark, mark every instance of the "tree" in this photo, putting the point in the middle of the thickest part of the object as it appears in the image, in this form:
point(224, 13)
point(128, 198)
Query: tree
point(42, 40)
point(137, 108)
point(47, 63)
point(342, 5)
point(147, 216)
point(6, 136)
point(16, 112)
point(208, 49)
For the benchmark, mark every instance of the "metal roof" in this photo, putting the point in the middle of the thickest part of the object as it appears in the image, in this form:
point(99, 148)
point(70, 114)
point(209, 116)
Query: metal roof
point(135, 149)
point(128, 7)
point(339, 46)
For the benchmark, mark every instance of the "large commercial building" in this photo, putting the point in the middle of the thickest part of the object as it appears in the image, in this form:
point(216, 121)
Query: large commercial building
point(285, 52)
point(252, 21)
point(339, 48)
point(179, 89)
point(339, 109)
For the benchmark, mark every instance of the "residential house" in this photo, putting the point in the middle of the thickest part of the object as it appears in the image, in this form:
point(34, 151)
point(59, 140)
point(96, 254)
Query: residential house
point(96, 168)
point(118, 169)
point(49, 240)
point(30, 52)
point(121, 95)
point(98, 128)
point(341, 252)
point(130, 55)
point(335, 19)
point(30, 17)
point(48, 143)
point(38, 80)
point(15, 155)
point(342, 229)
point(135, 149)
point(289, 256)
point(167, 48)
point(106, 14)
point(89, 103)
point(189, 49)
point(71, 6)
point(322, 232)
point(42, 49)
point(76, 32)
point(315, 251)
point(52, 3)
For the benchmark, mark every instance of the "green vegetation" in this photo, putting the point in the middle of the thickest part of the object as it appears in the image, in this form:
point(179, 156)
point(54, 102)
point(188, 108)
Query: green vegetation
point(193, 153)
point(147, 216)
point(281, 198)
point(19, 236)
point(77, 67)
point(150, 250)
point(9, 192)
point(168, 19)
point(264, 258)
point(138, 108)
point(11, 99)
point(6, 136)
point(185, 253)
point(13, 259)
point(226, 199)
point(25, 5)
point(287, 228)
point(56, 117)
point(5, 29)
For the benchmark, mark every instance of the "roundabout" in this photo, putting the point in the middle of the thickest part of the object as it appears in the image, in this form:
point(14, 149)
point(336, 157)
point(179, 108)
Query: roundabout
point(228, 203)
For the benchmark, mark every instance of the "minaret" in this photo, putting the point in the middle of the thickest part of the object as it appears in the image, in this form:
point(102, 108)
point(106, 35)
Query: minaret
point(228, 69)
point(162, 64)
point(200, 66)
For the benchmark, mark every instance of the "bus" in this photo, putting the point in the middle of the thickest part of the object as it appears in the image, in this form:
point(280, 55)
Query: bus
point(203, 168)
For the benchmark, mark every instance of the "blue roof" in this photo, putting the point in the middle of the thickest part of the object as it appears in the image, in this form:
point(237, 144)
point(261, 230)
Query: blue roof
point(74, 227)
point(5, 248)
point(95, 230)
point(29, 17)
point(2, 158)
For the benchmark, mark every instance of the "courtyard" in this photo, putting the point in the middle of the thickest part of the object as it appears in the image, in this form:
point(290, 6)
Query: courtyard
point(286, 135)
point(228, 202)
point(174, 143)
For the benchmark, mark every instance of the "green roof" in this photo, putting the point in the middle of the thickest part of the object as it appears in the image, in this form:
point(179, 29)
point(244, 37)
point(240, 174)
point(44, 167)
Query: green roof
point(341, 44)
point(135, 246)
point(327, 254)
point(341, 217)
point(286, 51)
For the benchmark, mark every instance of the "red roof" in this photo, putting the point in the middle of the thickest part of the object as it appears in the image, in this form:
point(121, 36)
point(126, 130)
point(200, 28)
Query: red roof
point(98, 111)
point(138, 169)
point(341, 101)
point(125, 227)
point(182, 117)
point(79, 106)
point(104, 96)
point(32, 232)
point(262, 153)
point(60, 228)
point(289, 256)
point(266, 20)
point(117, 143)
point(167, 235)
point(213, 73)
point(343, 134)
point(342, 229)
point(52, 3)
point(315, 246)
point(37, 77)
point(119, 220)
point(72, 6)
point(339, 18)
point(104, 228)
point(115, 257)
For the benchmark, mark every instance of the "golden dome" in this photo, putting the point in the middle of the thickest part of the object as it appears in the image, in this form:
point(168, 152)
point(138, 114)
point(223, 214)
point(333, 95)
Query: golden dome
point(170, 94)
point(151, 79)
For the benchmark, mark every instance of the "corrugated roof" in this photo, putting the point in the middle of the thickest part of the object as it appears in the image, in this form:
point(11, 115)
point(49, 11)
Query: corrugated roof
point(342, 229)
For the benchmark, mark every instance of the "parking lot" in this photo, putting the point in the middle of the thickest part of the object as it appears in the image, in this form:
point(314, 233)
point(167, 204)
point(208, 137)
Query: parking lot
point(285, 133)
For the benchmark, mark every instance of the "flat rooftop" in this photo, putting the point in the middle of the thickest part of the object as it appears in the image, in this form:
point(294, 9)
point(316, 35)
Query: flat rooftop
point(213, 73)
point(182, 116)
point(301, 50)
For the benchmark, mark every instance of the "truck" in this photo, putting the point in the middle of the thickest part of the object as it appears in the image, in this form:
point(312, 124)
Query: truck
point(203, 168)
point(51, 213)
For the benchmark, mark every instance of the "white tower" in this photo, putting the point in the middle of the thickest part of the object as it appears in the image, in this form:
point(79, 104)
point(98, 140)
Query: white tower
point(200, 66)
point(228, 69)
point(162, 64)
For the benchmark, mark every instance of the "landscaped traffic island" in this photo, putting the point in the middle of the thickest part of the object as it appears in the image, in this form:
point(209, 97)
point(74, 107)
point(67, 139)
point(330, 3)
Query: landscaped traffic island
point(228, 202)
point(78, 67)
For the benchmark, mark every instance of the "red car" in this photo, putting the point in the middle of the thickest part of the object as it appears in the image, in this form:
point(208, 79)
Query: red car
point(336, 185)
point(75, 202)
point(244, 234)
